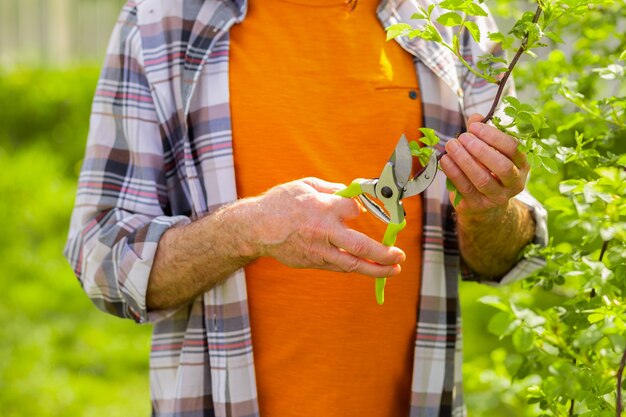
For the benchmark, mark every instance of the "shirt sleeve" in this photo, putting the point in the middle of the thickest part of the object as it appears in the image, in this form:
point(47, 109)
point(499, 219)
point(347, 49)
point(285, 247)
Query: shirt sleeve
point(526, 265)
point(122, 208)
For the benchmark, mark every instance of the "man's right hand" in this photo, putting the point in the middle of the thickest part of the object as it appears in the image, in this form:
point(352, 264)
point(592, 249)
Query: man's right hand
point(301, 224)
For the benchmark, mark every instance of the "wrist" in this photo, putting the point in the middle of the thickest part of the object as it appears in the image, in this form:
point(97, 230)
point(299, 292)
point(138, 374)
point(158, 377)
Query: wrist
point(469, 219)
point(238, 223)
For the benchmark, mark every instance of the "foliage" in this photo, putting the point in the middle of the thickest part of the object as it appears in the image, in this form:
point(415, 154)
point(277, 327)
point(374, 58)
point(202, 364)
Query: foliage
point(566, 358)
point(60, 355)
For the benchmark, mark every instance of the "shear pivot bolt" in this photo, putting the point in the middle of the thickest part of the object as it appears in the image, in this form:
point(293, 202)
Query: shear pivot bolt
point(386, 192)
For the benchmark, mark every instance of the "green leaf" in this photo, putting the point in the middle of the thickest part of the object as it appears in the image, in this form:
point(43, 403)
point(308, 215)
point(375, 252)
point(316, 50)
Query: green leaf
point(450, 19)
point(611, 72)
point(473, 30)
point(533, 160)
point(551, 165)
point(419, 15)
point(502, 324)
point(622, 56)
point(555, 37)
point(429, 138)
point(505, 41)
point(449, 185)
point(429, 33)
point(558, 203)
point(452, 4)
point(511, 112)
point(569, 186)
point(457, 198)
point(399, 29)
point(595, 317)
point(494, 301)
point(513, 101)
point(523, 339)
point(474, 9)
point(622, 160)
point(513, 362)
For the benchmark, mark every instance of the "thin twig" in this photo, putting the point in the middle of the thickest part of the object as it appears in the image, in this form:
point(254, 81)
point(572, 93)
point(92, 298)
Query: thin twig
point(605, 245)
point(507, 74)
point(505, 78)
point(622, 364)
point(572, 401)
point(620, 372)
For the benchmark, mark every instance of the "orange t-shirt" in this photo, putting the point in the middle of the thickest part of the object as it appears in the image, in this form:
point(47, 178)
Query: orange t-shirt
point(316, 91)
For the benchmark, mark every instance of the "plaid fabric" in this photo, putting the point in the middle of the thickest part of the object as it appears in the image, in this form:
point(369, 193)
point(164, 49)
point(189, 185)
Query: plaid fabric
point(159, 153)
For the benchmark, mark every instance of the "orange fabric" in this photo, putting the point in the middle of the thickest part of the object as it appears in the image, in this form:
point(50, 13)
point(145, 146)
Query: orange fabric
point(316, 91)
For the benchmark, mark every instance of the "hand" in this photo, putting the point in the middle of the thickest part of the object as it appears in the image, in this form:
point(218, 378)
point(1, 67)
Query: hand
point(301, 225)
point(486, 167)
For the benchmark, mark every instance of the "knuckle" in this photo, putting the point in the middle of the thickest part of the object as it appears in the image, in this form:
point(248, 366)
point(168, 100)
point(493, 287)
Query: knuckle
point(483, 182)
point(323, 257)
point(505, 167)
point(359, 248)
point(352, 265)
point(350, 207)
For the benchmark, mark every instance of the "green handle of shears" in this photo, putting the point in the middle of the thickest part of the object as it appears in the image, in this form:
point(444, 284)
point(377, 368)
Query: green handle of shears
point(389, 239)
point(352, 190)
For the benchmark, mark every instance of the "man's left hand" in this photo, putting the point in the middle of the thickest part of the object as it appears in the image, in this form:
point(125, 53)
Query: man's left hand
point(488, 170)
point(486, 167)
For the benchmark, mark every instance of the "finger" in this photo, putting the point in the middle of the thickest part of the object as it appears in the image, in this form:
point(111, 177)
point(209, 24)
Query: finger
point(323, 186)
point(458, 178)
point(362, 246)
point(504, 143)
point(346, 208)
point(496, 162)
point(475, 118)
point(346, 262)
point(480, 177)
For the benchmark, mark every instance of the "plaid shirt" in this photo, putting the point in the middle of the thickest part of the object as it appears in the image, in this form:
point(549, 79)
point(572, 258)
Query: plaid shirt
point(159, 153)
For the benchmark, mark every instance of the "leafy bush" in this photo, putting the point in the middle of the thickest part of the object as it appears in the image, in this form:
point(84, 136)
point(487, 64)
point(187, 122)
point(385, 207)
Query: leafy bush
point(564, 357)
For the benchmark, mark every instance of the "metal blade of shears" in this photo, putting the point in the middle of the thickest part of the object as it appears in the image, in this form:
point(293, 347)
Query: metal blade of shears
point(402, 161)
point(422, 179)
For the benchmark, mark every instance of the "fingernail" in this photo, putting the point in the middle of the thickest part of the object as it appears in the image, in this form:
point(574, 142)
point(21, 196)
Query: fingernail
point(469, 141)
point(466, 139)
point(400, 255)
point(452, 145)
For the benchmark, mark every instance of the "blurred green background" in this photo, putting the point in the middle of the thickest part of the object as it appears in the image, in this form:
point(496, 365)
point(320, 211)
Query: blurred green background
point(59, 355)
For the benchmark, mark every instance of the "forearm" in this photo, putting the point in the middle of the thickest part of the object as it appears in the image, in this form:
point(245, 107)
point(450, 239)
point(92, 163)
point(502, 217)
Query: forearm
point(490, 243)
point(300, 224)
point(191, 259)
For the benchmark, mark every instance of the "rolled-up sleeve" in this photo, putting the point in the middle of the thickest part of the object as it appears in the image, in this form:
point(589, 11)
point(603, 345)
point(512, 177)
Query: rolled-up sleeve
point(122, 207)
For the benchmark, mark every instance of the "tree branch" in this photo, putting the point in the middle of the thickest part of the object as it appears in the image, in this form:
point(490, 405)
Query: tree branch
point(507, 74)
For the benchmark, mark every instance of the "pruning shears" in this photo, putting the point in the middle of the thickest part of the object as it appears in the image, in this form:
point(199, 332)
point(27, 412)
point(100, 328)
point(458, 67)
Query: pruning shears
point(394, 184)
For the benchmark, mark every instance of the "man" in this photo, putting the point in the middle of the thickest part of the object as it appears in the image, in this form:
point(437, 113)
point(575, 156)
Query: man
point(198, 112)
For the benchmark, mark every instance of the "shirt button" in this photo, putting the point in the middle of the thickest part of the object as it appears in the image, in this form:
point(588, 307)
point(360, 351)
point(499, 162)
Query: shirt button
point(413, 94)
